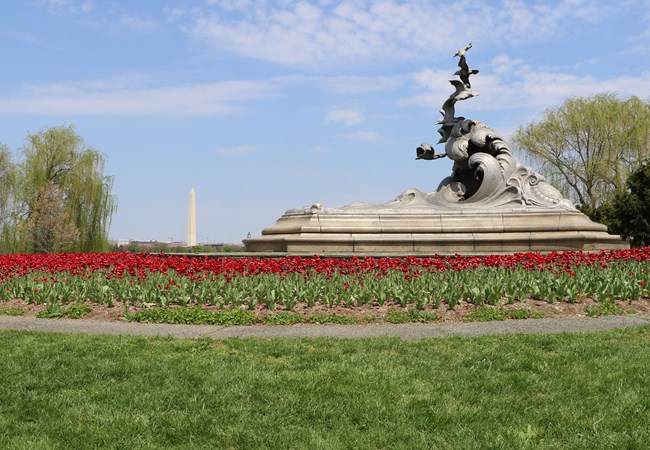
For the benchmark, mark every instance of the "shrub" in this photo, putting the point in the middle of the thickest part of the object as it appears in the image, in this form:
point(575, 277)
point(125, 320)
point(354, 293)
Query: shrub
point(78, 310)
point(194, 316)
point(523, 314)
point(411, 316)
point(4, 311)
point(606, 308)
point(484, 314)
point(283, 318)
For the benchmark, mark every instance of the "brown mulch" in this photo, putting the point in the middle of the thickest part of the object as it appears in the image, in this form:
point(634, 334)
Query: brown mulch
point(559, 309)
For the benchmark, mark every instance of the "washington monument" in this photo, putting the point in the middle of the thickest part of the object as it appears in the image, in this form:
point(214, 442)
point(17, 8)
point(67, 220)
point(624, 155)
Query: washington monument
point(191, 221)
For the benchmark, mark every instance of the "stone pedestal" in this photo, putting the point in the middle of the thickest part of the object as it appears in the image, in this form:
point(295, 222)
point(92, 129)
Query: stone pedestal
point(412, 225)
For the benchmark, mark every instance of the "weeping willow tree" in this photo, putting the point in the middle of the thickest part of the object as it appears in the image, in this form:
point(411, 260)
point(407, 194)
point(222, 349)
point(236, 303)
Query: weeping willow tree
point(589, 146)
point(57, 160)
point(7, 213)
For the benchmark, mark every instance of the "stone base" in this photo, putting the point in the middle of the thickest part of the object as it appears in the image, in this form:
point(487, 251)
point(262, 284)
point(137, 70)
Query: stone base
point(431, 232)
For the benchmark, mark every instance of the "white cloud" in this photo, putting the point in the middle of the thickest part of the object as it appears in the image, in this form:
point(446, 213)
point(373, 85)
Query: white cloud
point(363, 136)
point(238, 151)
point(109, 97)
point(29, 38)
point(523, 89)
point(502, 64)
point(69, 6)
point(636, 43)
point(347, 116)
point(363, 84)
point(593, 11)
point(532, 21)
point(370, 32)
point(303, 34)
point(320, 149)
point(136, 23)
point(436, 85)
point(549, 89)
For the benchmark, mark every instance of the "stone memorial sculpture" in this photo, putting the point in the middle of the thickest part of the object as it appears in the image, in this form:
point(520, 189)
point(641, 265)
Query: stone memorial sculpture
point(490, 203)
point(485, 174)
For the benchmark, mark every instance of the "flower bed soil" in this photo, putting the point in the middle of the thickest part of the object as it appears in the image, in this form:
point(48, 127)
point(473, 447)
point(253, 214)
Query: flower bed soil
point(373, 313)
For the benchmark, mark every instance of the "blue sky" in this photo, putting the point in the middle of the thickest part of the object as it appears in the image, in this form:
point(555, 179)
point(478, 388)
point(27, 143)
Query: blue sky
point(262, 106)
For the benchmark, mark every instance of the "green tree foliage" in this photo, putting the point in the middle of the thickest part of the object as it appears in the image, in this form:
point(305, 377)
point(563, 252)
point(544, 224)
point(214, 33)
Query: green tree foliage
point(58, 166)
point(7, 184)
point(588, 146)
point(628, 213)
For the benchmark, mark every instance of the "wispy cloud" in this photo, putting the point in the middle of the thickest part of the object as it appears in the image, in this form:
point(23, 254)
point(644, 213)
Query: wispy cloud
point(503, 64)
point(320, 148)
point(363, 136)
point(547, 89)
point(304, 34)
point(109, 97)
point(512, 84)
point(368, 32)
point(636, 43)
point(238, 151)
point(65, 7)
point(138, 23)
point(29, 38)
point(347, 84)
point(347, 116)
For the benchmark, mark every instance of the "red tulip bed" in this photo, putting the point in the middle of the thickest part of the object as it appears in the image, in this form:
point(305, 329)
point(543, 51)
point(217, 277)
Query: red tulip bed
point(299, 283)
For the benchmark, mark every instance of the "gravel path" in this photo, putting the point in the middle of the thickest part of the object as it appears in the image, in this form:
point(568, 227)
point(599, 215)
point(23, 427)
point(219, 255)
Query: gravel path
point(403, 331)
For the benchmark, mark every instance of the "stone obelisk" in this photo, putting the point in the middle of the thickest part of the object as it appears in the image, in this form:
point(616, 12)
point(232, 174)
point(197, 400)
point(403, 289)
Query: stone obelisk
point(191, 221)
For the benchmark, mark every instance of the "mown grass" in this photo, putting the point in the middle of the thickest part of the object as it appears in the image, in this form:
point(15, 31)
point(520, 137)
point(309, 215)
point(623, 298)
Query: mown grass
point(586, 390)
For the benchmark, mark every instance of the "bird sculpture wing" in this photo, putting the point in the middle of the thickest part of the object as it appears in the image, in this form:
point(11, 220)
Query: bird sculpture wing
point(464, 71)
point(459, 85)
point(448, 110)
point(462, 63)
point(462, 92)
point(464, 77)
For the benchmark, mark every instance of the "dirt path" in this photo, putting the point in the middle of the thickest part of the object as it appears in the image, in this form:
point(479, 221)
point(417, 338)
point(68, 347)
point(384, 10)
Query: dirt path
point(403, 331)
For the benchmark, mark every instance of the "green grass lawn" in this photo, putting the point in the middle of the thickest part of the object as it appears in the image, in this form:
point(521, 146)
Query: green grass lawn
point(564, 391)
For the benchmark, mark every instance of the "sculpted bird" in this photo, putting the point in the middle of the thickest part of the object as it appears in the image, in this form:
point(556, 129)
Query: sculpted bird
point(425, 151)
point(465, 71)
point(448, 111)
point(462, 91)
point(462, 51)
